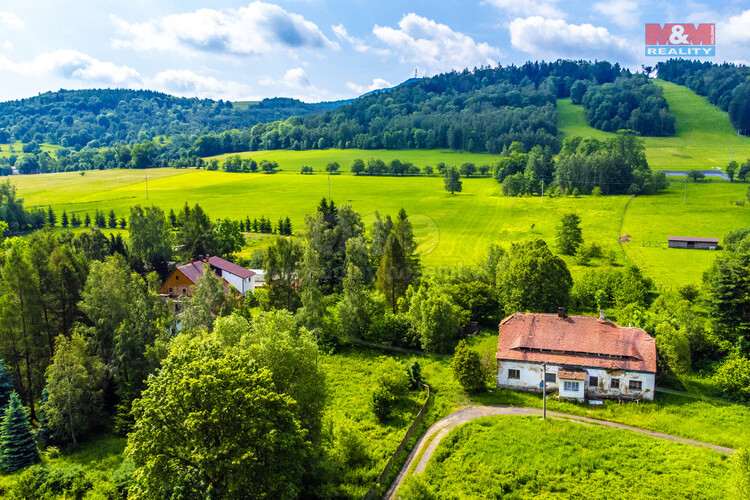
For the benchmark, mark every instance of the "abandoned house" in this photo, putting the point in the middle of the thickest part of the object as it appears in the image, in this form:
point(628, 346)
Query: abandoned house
point(586, 357)
point(690, 242)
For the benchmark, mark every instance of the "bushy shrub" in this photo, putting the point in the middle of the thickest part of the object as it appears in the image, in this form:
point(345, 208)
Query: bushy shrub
point(733, 376)
point(383, 402)
point(467, 368)
point(414, 372)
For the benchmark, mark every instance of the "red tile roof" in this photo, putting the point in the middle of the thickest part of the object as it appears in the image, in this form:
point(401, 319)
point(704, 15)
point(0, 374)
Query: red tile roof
point(575, 340)
point(692, 239)
point(230, 267)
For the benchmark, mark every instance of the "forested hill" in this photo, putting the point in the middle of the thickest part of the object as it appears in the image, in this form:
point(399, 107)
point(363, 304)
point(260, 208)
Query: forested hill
point(104, 117)
point(724, 85)
point(486, 109)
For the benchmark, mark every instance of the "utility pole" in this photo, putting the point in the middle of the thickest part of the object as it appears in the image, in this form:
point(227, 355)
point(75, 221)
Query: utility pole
point(542, 189)
point(544, 392)
point(685, 201)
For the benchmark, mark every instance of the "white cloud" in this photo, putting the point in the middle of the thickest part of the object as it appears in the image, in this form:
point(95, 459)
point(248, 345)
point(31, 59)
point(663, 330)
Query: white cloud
point(357, 43)
point(11, 21)
point(79, 70)
point(295, 78)
point(735, 30)
point(423, 41)
point(74, 65)
point(554, 38)
point(377, 83)
point(545, 8)
point(256, 29)
point(187, 83)
point(624, 13)
point(7, 45)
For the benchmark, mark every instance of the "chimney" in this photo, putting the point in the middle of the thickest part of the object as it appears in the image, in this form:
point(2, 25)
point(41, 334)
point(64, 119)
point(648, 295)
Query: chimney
point(561, 312)
point(602, 317)
point(191, 260)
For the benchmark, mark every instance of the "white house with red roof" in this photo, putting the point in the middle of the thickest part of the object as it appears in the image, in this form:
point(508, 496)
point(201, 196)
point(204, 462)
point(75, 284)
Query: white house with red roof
point(180, 281)
point(586, 357)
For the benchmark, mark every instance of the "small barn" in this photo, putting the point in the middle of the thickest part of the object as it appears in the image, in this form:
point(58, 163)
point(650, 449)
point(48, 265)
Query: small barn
point(692, 242)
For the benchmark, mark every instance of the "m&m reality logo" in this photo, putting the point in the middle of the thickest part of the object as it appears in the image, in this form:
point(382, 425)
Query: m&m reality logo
point(681, 40)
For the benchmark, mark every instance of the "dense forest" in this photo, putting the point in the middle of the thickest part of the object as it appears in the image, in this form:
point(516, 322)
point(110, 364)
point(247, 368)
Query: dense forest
point(633, 103)
point(105, 117)
point(484, 110)
point(724, 85)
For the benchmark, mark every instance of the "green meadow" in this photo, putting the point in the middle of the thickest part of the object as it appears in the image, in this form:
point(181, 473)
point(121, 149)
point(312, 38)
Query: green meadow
point(16, 148)
point(525, 457)
point(704, 136)
point(453, 230)
point(319, 158)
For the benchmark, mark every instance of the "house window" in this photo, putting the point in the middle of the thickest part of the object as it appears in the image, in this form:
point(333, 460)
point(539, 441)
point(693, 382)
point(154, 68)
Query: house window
point(176, 277)
point(184, 291)
point(635, 385)
point(170, 289)
point(550, 378)
point(516, 374)
point(614, 383)
point(569, 386)
point(594, 381)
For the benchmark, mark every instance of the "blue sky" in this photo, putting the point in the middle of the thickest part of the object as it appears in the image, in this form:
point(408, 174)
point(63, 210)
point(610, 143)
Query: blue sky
point(321, 50)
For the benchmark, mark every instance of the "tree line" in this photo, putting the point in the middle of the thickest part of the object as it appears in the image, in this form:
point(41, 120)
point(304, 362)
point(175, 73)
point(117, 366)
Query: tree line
point(110, 117)
point(584, 166)
point(633, 103)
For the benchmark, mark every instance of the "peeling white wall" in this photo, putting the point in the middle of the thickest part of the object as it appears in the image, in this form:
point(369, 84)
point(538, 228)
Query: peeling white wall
point(531, 375)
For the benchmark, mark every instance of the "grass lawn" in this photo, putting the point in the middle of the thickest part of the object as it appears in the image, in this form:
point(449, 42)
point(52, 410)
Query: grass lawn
point(525, 457)
point(318, 158)
point(704, 137)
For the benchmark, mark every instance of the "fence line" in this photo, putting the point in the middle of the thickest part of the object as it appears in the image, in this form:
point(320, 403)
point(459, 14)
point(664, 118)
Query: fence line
point(383, 475)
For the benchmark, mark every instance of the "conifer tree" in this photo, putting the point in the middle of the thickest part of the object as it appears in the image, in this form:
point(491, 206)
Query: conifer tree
point(393, 277)
point(51, 217)
point(6, 386)
point(17, 446)
point(112, 220)
point(44, 433)
point(64, 219)
point(87, 220)
point(75, 221)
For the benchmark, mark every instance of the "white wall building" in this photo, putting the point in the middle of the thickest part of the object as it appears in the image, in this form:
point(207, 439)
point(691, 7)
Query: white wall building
point(586, 357)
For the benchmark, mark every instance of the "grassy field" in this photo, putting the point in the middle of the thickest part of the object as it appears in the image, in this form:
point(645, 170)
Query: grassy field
point(710, 212)
point(319, 158)
point(453, 230)
point(704, 136)
point(525, 457)
point(5, 149)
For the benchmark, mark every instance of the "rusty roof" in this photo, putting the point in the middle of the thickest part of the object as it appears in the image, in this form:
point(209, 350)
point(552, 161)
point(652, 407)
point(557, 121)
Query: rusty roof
point(693, 239)
point(575, 340)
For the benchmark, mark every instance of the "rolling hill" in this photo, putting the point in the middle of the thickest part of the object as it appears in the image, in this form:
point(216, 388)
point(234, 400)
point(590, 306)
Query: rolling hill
point(704, 137)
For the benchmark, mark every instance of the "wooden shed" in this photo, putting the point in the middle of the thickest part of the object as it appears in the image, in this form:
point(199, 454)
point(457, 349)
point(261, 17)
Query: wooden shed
point(691, 242)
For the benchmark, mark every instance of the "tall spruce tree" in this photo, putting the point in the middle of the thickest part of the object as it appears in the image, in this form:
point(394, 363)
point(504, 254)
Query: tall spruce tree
point(17, 446)
point(393, 277)
point(51, 217)
point(6, 386)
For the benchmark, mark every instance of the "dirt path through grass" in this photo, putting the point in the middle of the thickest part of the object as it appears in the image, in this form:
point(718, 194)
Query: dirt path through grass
point(418, 459)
